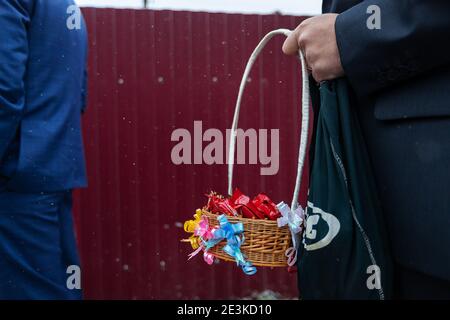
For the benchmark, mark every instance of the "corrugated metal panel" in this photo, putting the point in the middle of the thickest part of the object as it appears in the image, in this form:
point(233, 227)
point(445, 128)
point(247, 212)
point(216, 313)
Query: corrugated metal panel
point(150, 73)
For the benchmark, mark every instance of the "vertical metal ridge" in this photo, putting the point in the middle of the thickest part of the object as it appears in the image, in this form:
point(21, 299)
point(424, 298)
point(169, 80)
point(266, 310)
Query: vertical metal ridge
point(155, 199)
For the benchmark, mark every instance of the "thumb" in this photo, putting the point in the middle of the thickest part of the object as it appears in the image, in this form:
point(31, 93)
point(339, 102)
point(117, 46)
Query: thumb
point(290, 45)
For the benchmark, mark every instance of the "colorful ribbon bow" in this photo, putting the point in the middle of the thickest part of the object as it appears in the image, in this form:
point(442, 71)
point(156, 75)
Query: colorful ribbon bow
point(233, 234)
point(294, 220)
point(190, 226)
point(201, 232)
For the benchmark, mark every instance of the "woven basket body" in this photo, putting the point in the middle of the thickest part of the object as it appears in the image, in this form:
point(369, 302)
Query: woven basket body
point(265, 243)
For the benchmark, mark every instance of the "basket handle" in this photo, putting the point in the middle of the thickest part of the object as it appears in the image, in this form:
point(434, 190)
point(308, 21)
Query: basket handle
point(305, 115)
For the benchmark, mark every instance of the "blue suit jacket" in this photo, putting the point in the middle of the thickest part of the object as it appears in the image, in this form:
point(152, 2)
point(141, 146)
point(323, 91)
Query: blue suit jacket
point(42, 95)
point(401, 76)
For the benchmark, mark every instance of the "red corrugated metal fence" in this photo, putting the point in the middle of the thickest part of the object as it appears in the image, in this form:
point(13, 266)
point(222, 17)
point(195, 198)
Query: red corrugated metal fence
point(150, 73)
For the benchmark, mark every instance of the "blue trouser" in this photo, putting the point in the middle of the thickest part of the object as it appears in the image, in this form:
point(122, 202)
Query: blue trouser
point(37, 245)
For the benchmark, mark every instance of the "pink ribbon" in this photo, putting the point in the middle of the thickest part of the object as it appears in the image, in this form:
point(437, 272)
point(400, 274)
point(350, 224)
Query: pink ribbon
point(202, 230)
point(205, 233)
point(291, 254)
point(208, 257)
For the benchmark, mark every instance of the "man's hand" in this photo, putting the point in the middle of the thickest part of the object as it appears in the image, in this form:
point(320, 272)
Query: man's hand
point(316, 38)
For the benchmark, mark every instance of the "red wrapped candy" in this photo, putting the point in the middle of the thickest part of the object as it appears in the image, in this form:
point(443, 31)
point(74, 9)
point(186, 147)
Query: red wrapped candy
point(261, 207)
point(219, 205)
point(266, 206)
point(247, 208)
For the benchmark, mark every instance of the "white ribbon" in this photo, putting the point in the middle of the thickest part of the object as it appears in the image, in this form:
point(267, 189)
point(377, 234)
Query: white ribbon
point(294, 220)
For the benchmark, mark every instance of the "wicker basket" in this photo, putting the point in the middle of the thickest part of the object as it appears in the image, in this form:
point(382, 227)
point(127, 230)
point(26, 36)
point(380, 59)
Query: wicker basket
point(265, 244)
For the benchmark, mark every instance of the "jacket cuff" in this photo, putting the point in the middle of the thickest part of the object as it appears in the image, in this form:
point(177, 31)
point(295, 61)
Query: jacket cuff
point(354, 48)
point(375, 58)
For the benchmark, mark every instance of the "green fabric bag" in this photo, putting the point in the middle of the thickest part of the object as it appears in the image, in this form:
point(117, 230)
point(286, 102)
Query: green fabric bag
point(345, 252)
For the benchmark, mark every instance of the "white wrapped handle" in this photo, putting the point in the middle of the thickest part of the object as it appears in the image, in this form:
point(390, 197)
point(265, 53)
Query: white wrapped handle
point(305, 115)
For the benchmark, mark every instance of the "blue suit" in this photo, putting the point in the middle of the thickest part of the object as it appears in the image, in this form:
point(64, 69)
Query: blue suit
point(400, 75)
point(42, 85)
point(42, 95)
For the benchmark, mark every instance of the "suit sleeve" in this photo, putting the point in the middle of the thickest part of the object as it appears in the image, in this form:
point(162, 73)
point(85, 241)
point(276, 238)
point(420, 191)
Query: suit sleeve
point(14, 19)
point(413, 39)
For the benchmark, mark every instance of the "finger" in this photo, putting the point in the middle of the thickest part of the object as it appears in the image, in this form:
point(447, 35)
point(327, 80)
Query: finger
point(290, 45)
point(320, 74)
point(317, 76)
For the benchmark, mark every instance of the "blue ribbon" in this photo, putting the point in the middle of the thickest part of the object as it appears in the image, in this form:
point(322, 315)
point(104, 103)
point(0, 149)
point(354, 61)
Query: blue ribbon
point(234, 235)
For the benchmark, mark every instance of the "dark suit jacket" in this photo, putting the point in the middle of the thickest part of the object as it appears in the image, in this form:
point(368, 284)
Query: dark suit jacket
point(42, 93)
point(401, 76)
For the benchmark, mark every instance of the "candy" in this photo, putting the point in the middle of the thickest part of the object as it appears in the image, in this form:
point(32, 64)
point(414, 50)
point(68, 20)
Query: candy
point(220, 205)
point(247, 208)
point(266, 206)
point(238, 204)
